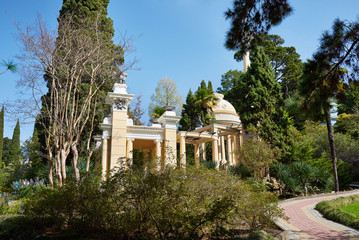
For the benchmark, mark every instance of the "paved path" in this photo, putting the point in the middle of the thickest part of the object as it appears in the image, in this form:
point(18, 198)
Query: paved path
point(307, 223)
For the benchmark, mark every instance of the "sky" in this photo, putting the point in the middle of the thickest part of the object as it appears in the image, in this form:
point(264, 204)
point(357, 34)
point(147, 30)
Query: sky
point(179, 39)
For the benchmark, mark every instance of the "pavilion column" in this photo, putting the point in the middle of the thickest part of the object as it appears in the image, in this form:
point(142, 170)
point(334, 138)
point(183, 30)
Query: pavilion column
point(215, 152)
point(241, 141)
point(129, 153)
point(223, 150)
point(104, 158)
point(229, 150)
point(203, 151)
point(158, 154)
point(219, 149)
point(183, 151)
point(196, 155)
point(234, 149)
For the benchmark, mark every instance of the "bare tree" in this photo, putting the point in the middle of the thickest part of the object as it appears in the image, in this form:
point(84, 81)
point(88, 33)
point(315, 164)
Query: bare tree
point(74, 65)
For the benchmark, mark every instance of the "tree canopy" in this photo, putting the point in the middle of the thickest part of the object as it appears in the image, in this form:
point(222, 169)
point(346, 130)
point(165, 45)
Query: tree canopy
point(165, 95)
point(250, 18)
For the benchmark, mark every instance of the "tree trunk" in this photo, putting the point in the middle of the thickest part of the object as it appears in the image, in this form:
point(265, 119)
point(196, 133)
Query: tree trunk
point(63, 165)
point(75, 161)
point(58, 169)
point(88, 158)
point(332, 147)
point(51, 167)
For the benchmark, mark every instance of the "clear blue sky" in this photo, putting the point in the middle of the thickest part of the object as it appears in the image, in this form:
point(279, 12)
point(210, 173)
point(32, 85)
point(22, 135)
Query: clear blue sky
point(180, 39)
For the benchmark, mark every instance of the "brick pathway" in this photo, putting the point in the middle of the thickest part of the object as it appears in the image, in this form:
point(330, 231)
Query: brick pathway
point(306, 223)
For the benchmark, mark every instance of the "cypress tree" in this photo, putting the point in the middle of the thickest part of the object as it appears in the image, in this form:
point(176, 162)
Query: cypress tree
point(189, 113)
point(203, 85)
point(15, 144)
point(1, 132)
point(95, 10)
point(259, 101)
point(210, 88)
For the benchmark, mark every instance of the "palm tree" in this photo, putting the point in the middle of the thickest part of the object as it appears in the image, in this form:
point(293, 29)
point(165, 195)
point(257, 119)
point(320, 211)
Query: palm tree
point(324, 76)
point(205, 100)
point(319, 94)
point(9, 66)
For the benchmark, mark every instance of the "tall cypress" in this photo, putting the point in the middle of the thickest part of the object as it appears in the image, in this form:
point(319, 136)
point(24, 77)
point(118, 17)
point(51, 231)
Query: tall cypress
point(189, 113)
point(1, 131)
point(259, 101)
point(15, 144)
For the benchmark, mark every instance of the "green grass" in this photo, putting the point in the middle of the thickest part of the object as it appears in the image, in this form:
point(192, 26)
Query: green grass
point(334, 210)
point(352, 209)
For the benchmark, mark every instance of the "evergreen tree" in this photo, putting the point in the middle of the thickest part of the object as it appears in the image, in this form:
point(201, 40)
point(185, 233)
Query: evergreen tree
point(1, 132)
point(228, 80)
point(15, 145)
point(189, 115)
point(249, 19)
point(258, 99)
point(285, 62)
point(210, 88)
point(203, 85)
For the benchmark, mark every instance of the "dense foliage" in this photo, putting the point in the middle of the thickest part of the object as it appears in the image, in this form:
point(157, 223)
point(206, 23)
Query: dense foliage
point(191, 204)
point(258, 99)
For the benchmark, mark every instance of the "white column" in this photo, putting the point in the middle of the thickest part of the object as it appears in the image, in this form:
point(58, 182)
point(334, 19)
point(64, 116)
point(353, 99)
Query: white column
point(158, 154)
point(223, 146)
point(204, 151)
point(215, 152)
point(104, 156)
point(129, 152)
point(182, 151)
point(229, 150)
point(234, 149)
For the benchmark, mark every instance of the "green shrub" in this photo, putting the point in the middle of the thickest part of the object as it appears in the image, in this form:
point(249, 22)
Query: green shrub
point(28, 191)
point(174, 204)
point(331, 209)
point(209, 164)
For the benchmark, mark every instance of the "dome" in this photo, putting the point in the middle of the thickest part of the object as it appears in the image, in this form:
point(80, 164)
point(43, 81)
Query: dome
point(224, 111)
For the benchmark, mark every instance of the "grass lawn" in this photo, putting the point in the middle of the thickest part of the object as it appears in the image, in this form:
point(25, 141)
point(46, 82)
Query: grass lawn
point(352, 208)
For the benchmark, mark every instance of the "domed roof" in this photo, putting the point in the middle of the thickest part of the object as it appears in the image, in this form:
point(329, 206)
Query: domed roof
point(224, 111)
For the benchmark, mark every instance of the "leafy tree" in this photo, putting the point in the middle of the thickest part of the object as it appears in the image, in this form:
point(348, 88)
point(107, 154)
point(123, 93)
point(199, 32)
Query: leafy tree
point(157, 112)
point(249, 19)
point(348, 123)
point(324, 75)
point(165, 95)
point(258, 99)
point(349, 100)
point(316, 136)
point(229, 80)
point(256, 155)
point(15, 145)
point(1, 131)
